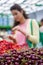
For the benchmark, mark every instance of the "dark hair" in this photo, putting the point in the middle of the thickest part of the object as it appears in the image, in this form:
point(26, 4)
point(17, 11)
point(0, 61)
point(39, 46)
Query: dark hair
point(17, 7)
point(41, 20)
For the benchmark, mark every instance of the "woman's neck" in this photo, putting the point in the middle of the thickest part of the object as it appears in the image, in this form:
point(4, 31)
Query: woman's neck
point(22, 20)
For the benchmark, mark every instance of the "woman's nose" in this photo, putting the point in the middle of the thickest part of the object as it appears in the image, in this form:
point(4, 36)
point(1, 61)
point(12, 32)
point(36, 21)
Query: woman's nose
point(15, 17)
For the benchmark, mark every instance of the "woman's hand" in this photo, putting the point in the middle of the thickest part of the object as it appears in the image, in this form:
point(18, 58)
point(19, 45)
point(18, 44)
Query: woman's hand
point(14, 29)
point(11, 38)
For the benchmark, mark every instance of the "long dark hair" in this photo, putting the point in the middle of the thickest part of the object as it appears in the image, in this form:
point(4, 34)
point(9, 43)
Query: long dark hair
point(17, 7)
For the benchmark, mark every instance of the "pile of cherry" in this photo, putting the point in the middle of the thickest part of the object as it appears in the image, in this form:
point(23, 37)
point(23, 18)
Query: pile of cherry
point(5, 46)
point(32, 56)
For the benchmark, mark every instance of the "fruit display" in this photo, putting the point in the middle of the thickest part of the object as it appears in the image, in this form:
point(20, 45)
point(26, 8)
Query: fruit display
point(32, 56)
point(6, 46)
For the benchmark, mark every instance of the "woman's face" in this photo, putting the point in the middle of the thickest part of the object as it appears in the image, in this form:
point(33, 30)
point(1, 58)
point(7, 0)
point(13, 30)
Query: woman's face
point(17, 15)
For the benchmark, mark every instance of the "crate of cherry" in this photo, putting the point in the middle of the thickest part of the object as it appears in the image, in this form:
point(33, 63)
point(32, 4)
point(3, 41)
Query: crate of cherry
point(32, 56)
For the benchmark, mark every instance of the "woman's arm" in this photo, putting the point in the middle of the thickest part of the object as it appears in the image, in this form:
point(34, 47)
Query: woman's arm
point(35, 37)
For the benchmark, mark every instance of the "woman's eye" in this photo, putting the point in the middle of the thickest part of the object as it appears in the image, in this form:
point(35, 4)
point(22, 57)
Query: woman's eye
point(15, 14)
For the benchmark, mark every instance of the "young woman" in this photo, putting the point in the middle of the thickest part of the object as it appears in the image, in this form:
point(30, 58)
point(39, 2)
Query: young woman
point(22, 27)
point(25, 32)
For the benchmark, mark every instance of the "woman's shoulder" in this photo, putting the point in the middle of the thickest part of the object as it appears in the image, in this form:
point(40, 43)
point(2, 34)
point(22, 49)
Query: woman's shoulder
point(31, 20)
point(28, 20)
point(34, 22)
